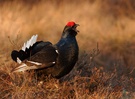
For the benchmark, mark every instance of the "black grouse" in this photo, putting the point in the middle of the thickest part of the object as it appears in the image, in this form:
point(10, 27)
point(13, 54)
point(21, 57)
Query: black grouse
point(44, 57)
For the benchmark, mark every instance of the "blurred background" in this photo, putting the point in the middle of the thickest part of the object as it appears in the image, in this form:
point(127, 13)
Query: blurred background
point(110, 23)
point(100, 20)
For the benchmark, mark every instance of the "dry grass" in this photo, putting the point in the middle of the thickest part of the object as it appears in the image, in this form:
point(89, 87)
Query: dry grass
point(110, 75)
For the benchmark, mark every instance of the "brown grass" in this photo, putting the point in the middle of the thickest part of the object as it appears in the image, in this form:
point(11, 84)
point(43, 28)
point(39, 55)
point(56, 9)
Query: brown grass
point(109, 75)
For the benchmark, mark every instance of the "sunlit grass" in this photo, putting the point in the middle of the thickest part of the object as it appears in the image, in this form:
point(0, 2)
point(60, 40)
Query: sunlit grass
point(109, 75)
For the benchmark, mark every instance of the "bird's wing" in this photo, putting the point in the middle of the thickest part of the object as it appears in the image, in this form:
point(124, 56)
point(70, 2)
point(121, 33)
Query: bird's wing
point(48, 54)
point(43, 59)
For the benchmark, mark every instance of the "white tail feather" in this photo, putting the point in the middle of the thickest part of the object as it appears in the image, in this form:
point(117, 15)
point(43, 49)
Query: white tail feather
point(24, 67)
point(35, 63)
point(29, 65)
point(19, 61)
point(23, 48)
point(30, 42)
point(27, 44)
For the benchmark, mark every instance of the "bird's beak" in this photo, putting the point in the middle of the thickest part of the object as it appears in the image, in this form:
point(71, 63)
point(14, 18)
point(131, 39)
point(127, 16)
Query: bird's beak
point(76, 25)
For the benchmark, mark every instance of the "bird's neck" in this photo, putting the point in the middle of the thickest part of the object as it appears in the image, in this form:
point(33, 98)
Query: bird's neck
point(67, 39)
point(69, 34)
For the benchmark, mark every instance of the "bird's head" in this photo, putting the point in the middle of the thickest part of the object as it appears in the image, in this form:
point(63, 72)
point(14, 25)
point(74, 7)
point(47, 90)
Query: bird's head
point(70, 29)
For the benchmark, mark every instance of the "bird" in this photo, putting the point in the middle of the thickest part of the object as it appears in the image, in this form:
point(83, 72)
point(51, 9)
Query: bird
point(46, 58)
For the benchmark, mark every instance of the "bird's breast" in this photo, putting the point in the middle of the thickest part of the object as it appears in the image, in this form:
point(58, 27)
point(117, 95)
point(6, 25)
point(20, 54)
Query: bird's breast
point(68, 52)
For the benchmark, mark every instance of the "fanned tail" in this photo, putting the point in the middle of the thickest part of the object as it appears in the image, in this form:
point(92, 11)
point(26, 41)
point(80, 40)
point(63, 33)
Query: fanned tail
point(25, 51)
point(30, 42)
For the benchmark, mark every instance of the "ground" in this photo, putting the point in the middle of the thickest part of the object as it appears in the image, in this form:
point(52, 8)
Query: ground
point(106, 67)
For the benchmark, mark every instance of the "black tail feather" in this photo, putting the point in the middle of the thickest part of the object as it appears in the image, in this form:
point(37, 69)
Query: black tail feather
point(22, 55)
point(14, 55)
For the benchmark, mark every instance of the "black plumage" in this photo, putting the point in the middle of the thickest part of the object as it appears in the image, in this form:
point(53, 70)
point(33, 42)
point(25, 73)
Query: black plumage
point(46, 58)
